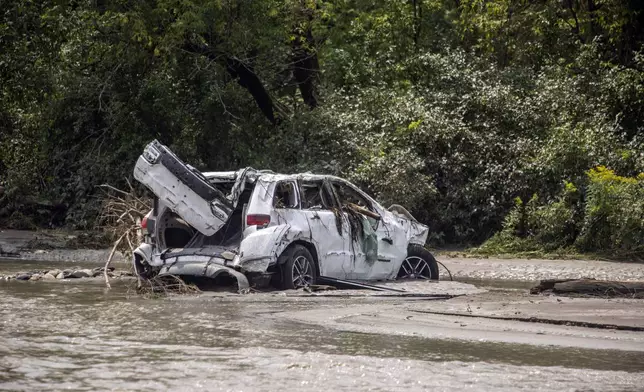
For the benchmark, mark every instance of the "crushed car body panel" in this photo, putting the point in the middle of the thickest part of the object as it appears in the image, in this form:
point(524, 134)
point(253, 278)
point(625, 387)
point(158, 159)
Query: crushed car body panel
point(185, 191)
point(204, 269)
point(259, 248)
point(254, 216)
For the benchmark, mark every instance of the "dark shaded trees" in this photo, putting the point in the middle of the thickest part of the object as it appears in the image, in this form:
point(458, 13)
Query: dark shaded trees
point(452, 107)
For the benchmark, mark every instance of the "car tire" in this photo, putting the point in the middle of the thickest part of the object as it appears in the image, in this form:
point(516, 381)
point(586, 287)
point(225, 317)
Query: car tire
point(297, 268)
point(419, 264)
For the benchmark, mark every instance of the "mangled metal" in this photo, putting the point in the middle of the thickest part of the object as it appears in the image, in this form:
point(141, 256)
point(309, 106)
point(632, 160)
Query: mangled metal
point(205, 269)
point(256, 218)
point(188, 193)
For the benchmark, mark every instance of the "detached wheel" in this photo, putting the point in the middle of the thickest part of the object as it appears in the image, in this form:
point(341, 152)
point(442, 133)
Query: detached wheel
point(298, 268)
point(419, 264)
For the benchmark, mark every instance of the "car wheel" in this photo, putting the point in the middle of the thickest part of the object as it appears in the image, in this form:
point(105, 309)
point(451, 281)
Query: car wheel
point(298, 268)
point(419, 264)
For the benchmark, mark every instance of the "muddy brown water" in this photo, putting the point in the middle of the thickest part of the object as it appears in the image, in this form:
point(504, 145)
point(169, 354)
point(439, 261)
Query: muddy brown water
point(76, 335)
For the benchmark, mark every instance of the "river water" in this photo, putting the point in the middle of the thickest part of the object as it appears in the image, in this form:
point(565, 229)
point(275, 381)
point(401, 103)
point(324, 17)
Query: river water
point(75, 335)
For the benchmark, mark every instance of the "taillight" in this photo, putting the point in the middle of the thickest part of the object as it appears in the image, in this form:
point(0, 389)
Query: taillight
point(144, 221)
point(258, 220)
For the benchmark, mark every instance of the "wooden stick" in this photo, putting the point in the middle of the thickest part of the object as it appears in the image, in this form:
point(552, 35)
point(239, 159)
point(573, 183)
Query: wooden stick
point(363, 211)
point(109, 259)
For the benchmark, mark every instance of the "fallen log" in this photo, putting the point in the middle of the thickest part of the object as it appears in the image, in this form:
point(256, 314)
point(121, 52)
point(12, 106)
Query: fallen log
point(590, 287)
point(547, 285)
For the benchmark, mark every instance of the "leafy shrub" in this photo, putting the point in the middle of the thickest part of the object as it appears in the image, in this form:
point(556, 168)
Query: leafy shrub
point(534, 226)
point(609, 220)
point(614, 213)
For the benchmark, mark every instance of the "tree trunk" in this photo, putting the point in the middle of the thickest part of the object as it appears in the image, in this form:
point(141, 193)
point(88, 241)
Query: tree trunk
point(305, 58)
point(243, 73)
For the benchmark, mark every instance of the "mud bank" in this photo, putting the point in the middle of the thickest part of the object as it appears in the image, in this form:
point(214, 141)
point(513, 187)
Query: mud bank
point(498, 317)
point(421, 309)
point(466, 313)
point(496, 309)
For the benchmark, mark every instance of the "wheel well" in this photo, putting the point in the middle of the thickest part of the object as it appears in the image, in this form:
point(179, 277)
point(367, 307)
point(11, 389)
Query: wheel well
point(141, 267)
point(311, 248)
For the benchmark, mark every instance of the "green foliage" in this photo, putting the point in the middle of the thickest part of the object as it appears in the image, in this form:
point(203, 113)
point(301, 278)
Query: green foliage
point(453, 108)
point(610, 219)
point(614, 213)
point(538, 226)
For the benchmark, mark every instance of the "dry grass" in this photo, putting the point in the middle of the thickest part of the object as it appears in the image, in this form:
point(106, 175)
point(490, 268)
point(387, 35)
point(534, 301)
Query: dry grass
point(120, 218)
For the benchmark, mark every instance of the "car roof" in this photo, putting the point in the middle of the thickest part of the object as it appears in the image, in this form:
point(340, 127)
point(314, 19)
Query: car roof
point(268, 176)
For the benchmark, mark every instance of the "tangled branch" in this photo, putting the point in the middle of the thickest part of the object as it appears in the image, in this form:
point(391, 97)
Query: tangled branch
point(165, 285)
point(120, 218)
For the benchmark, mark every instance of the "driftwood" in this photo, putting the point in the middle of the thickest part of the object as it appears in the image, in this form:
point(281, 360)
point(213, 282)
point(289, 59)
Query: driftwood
point(590, 287)
point(121, 216)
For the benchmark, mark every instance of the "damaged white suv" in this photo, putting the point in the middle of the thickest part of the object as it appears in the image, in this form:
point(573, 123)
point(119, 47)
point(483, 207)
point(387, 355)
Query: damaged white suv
point(266, 228)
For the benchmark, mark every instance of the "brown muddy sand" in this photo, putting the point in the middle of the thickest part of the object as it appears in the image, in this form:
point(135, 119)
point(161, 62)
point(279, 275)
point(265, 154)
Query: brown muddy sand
point(64, 335)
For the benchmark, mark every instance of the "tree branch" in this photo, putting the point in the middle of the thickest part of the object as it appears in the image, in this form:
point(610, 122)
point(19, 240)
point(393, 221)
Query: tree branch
point(242, 72)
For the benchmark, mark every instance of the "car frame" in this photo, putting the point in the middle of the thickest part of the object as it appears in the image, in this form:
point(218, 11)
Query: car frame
point(263, 228)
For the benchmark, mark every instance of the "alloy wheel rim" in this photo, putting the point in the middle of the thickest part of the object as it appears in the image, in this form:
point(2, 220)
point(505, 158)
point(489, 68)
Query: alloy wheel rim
point(302, 272)
point(414, 267)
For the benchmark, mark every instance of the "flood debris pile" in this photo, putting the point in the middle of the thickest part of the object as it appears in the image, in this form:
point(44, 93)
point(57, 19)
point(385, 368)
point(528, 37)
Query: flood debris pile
point(165, 285)
point(590, 288)
point(120, 218)
point(59, 274)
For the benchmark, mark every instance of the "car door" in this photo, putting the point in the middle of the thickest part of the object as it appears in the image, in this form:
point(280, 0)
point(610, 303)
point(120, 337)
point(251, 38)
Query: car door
point(329, 232)
point(389, 249)
point(185, 190)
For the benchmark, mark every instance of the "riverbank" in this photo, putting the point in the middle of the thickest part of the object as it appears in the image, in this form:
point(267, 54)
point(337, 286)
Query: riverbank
point(494, 311)
point(56, 246)
point(497, 317)
point(533, 270)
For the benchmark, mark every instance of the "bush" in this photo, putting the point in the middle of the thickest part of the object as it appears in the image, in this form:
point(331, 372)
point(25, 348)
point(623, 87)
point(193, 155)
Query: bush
point(449, 108)
point(614, 213)
point(534, 226)
point(610, 219)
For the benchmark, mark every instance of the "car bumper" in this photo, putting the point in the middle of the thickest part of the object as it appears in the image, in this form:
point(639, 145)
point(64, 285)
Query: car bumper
point(209, 270)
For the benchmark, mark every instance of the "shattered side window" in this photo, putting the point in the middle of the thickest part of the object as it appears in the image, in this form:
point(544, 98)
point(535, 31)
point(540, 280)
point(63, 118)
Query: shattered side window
point(348, 195)
point(285, 195)
point(314, 196)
